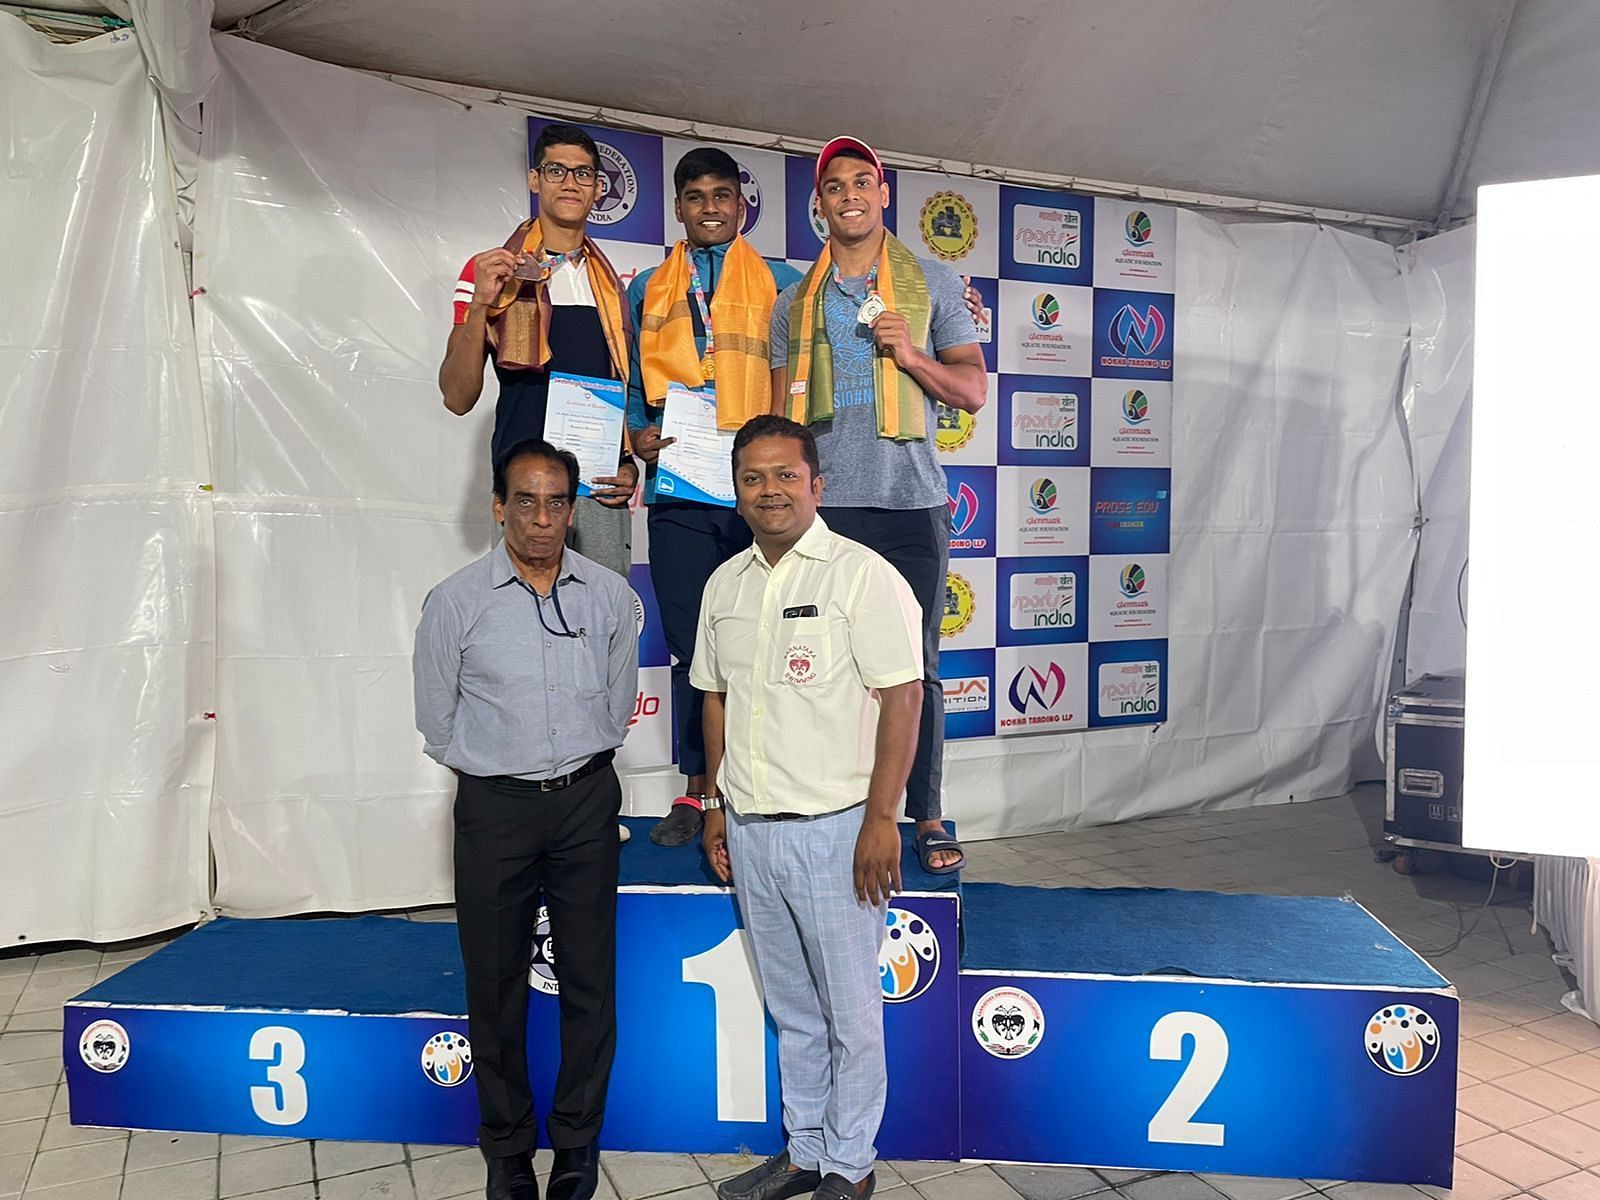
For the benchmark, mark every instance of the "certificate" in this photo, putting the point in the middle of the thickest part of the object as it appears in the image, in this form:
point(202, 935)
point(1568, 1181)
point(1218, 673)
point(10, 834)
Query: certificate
point(699, 464)
point(584, 415)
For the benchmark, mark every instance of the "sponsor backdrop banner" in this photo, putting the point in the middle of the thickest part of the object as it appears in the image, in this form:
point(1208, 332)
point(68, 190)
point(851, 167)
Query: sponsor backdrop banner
point(1055, 613)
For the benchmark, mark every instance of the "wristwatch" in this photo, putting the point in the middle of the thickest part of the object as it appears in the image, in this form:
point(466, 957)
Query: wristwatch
point(711, 803)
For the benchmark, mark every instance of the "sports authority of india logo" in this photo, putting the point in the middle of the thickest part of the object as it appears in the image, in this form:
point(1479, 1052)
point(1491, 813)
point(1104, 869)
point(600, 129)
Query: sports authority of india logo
point(620, 190)
point(960, 603)
point(1402, 1040)
point(1008, 1022)
point(949, 226)
point(1131, 581)
point(908, 959)
point(800, 664)
point(953, 428)
point(542, 974)
point(447, 1059)
point(1046, 310)
point(1135, 407)
point(1042, 495)
point(750, 186)
point(1137, 227)
point(104, 1046)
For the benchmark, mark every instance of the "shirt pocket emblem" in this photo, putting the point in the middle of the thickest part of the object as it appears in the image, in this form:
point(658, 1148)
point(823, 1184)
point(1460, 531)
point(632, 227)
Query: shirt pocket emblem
point(801, 664)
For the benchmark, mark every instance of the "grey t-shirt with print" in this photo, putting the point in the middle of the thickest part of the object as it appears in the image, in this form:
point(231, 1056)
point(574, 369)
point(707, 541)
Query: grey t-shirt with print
point(862, 469)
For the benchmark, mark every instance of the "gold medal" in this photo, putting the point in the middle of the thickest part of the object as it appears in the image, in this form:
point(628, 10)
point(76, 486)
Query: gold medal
point(708, 366)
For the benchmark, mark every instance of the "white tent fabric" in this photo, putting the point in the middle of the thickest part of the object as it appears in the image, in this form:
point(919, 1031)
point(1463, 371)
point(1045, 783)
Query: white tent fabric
point(105, 660)
point(345, 490)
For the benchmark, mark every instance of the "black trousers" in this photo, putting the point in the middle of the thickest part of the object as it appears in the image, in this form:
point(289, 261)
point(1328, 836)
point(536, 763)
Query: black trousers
point(512, 842)
point(687, 543)
point(917, 542)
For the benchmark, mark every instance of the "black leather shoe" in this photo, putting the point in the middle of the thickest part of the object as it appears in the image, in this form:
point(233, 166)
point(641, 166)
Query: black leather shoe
point(512, 1178)
point(679, 827)
point(837, 1187)
point(575, 1174)
point(774, 1179)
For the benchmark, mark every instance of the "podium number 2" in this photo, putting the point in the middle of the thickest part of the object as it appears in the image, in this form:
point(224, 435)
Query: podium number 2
point(741, 1026)
point(283, 1100)
point(1174, 1121)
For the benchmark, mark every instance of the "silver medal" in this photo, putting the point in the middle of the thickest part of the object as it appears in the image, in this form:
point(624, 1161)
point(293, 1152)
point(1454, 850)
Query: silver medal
point(872, 310)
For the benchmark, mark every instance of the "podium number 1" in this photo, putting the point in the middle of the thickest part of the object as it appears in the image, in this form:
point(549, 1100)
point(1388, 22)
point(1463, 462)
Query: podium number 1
point(1174, 1120)
point(283, 1100)
point(728, 971)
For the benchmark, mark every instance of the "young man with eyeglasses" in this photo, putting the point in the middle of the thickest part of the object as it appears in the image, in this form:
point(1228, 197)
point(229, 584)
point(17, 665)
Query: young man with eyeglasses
point(546, 301)
point(525, 673)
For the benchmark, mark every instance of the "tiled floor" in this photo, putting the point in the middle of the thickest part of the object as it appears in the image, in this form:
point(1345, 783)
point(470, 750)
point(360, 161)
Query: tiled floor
point(1528, 1125)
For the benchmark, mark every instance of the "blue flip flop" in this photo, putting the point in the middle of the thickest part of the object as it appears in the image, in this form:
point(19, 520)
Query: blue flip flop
point(930, 843)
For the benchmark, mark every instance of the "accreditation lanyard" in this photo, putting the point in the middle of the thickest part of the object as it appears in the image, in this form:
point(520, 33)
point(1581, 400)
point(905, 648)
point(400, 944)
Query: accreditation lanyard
point(697, 290)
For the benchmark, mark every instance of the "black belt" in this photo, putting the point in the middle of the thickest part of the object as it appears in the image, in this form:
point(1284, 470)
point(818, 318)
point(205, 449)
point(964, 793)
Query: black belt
point(603, 759)
point(806, 816)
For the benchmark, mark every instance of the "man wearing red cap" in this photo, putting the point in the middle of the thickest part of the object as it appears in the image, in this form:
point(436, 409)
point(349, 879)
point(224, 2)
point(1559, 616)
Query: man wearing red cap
point(863, 350)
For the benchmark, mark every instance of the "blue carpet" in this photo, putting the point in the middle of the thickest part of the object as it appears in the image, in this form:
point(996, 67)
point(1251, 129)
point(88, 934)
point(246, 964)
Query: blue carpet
point(1143, 931)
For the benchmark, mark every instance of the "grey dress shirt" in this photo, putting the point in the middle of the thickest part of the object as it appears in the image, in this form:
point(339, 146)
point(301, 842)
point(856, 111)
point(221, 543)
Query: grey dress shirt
point(498, 693)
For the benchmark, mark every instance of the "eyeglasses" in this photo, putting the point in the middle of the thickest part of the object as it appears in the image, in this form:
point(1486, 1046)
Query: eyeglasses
point(555, 172)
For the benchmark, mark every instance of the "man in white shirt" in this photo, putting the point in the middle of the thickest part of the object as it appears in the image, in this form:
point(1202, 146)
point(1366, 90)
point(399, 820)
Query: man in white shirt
point(809, 652)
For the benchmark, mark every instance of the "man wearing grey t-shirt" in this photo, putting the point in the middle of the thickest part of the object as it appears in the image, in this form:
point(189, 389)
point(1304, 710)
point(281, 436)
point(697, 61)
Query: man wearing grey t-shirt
point(886, 488)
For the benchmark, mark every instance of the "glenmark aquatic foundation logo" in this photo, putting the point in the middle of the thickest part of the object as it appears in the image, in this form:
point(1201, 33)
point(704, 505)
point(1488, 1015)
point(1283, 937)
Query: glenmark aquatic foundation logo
point(1046, 310)
point(949, 225)
point(1008, 1022)
point(1131, 580)
point(1136, 227)
point(1135, 406)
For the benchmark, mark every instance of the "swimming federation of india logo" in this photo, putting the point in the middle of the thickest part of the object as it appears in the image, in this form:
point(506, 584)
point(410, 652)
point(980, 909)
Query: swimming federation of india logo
point(750, 186)
point(908, 959)
point(104, 1046)
point(1137, 227)
point(1008, 1022)
point(620, 186)
point(953, 429)
point(949, 225)
point(447, 1059)
point(1046, 310)
point(638, 613)
point(1042, 495)
point(542, 974)
point(960, 603)
point(1132, 579)
point(1135, 407)
point(1402, 1040)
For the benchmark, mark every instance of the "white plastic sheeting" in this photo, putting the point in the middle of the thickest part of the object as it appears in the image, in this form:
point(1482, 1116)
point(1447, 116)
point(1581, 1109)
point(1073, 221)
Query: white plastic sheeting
point(1566, 901)
point(1438, 403)
point(105, 649)
point(1292, 503)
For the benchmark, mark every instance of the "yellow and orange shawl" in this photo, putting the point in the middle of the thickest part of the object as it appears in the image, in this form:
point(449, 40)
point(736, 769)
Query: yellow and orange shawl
point(741, 317)
point(519, 319)
point(904, 289)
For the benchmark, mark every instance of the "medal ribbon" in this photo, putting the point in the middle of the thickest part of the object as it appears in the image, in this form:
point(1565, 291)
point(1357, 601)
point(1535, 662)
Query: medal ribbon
point(699, 293)
point(872, 284)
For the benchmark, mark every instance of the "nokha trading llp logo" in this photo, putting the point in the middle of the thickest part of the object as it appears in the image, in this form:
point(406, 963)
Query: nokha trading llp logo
point(953, 428)
point(619, 190)
point(1008, 1022)
point(1042, 495)
point(1402, 1040)
point(908, 957)
point(1136, 336)
point(750, 187)
point(447, 1059)
point(1132, 579)
point(1033, 686)
point(1046, 311)
point(1137, 227)
point(104, 1046)
point(966, 693)
point(1135, 406)
point(960, 603)
point(963, 509)
point(949, 225)
point(542, 974)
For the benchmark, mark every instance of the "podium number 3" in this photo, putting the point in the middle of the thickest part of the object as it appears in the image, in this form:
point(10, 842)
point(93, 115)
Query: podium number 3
point(283, 1100)
point(1174, 1121)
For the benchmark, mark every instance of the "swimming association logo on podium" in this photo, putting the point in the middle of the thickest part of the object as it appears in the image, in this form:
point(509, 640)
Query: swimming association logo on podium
point(104, 1047)
point(447, 1059)
point(953, 429)
point(949, 225)
point(621, 186)
point(750, 187)
point(1008, 1022)
point(960, 603)
point(1402, 1040)
point(542, 974)
point(908, 959)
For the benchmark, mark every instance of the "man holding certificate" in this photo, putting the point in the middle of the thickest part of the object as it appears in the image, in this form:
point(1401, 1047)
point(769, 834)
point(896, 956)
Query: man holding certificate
point(700, 367)
point(547, 309)
point(863, 350)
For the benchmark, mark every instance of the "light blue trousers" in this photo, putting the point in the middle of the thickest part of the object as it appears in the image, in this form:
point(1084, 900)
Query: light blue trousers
point(816, 951)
